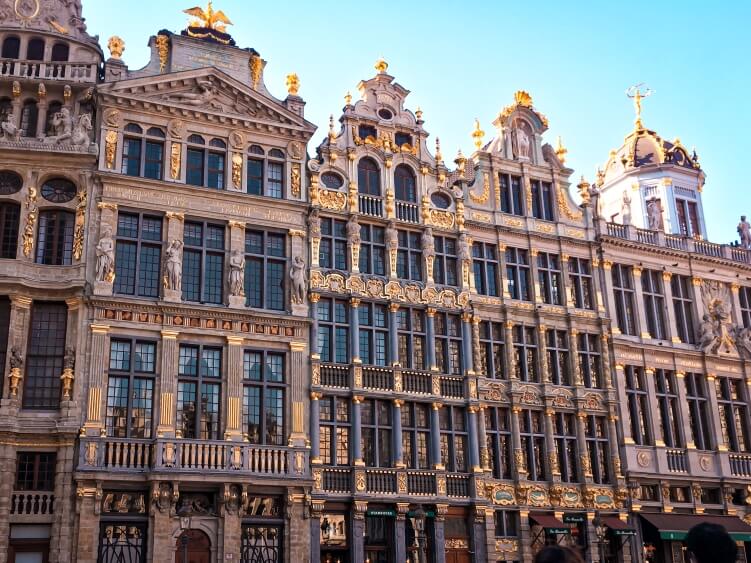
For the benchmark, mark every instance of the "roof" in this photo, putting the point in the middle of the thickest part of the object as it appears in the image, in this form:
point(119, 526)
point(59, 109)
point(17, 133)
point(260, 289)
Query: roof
point(676, 526)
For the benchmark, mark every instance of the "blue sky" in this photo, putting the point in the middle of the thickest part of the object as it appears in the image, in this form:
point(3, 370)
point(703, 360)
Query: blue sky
point(463, 60)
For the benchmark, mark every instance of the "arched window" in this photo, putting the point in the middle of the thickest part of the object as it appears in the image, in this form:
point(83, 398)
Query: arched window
point(52, 109)
point(275, 174)
point(265, 175)
point(59, 52)
point(143, 155)
point(404, 184)
point(440, 200)
point(10, 182)
point(368, 177)
point(55, 240)
point(35, 50)
point(11, 47)
point(10, 213)
point(29, 115)
point(58, 190)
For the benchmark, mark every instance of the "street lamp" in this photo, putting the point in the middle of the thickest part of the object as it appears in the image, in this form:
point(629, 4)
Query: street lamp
point(185, 513)
point(419, 524)
point(602, 532)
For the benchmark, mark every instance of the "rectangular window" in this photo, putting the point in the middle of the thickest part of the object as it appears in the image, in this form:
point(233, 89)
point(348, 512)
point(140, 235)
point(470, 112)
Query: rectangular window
point(683, 305)
point(45, 355)
point(131, 162)
point(654, 303)
point(409, 256)
point(698, 411)
point(499, 443)
point(733, 413)
point(590, 362)
point(194, 167)
point(55, 238)
point(372, 250)
point(416, 435)
point(4, 329)
point(199, 392)
point(263, 397)
point(623, 290)
point(597, 447)
point(492, 349)
point(130, 388)
point(334, 433)
point(152, 167)
point(580, 278)
point(688, 217)
point(275, 179)
point(333, 330)
point(255, 176)
point(506, 523)
point(525, 353)
point(448, 343)
point(445, 265)
point(564, 435)
point(518, 274)
point(532, 432)
point(138, 254)
point(374, 333)
point(215, 167)
point(10, 214)
point(558, 356)
point(203, 262)
point(410, 326)
point(265, 269)
point(667, 403)
point(376, 432)
point(35, 471)
point(485, 266)
point(744, 295)
point(542, 200)
point(333, 250)
point(636, 394)
point(453, 438)
point(511, 194)
point(549, 276)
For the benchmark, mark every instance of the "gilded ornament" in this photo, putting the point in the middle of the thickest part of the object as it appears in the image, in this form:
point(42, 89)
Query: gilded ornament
point(360, 481)
point(116, 47)
point(441, 218)
point(441, 484)
point(208, 18)
point(162, 47)
point(175, 154)
point(560, 150)
point(477, 135)
point(563, 208)
point(401, 483)
point(80, 221)
point(636, 94)
point(295, 181)
point(110, 148)
point(31, 216)
point(237, 169)
point(293, 84)
point(347, 98)
point(16, 89)
point(256, 67)
point(381, 65)
point(522, 98)
point(485, 195)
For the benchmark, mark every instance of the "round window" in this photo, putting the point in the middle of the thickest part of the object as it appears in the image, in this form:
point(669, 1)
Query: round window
point(58, 190)
point(331, 180)
point(384, 113)
point(440, 200)
point(10, 182)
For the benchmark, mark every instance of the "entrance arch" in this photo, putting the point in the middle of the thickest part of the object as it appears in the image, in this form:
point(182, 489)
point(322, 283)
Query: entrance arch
point(198, 547)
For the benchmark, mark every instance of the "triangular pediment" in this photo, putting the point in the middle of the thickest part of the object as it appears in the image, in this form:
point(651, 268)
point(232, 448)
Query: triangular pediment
point(206, 90)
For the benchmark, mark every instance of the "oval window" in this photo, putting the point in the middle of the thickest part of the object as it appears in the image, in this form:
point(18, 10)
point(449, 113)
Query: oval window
point(440, 200)
point(10, 182)
point(385, 114)
point(58, 190)
point(331, 180)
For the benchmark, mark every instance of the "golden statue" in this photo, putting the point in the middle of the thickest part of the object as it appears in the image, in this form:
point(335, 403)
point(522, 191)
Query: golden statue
point(477, 134)
point(208, 18)
point(116, 47)
point(637, 95)
point(560, 150)
point(522, 98)
point(381, 65)
point(293, 84)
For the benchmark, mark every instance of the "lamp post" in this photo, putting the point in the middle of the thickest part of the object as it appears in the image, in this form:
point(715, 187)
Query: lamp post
point(185, 513)
point(419, 524)
point(602, 540)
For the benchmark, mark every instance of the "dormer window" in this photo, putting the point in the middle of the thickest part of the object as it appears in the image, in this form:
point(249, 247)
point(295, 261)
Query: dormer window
point(404, 184)
point(542, 200)
point(385, 114)
point(365, 131)
point(205, 167)
point(265, 173)
point(403, 139)
point(368, 177)
point(143, 155)
point(688, 217)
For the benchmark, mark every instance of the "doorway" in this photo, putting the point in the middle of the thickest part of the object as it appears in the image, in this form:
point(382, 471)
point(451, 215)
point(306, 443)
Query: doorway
point(195, 544)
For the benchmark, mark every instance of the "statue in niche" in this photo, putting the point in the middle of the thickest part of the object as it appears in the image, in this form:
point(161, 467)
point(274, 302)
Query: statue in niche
point(105, 257)
point(744, 232)
point(715, 332)
point(465, 257)
point(174, 277)
point(314, 224)
point(204, 97)
point(297, 276)
point(353, 231)
point(522, 141)
point(626, 208)
point(654, 215)
point(708, 340)
point(81, 136)
point(237, 273)
point(16, 360)
point(428, 243)
point(391, 237)
point(62, 126)
point(8, 128)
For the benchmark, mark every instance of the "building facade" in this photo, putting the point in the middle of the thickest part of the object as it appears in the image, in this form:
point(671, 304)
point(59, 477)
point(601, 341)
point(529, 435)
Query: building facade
point(217, 347)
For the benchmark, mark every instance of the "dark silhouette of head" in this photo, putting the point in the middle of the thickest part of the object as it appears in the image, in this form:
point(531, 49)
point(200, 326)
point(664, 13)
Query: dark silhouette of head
point(711, 543)
point(558, 554)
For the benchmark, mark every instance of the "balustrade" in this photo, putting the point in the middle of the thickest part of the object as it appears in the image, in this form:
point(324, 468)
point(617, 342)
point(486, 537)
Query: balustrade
point(67, 71)
point(32, 503)
point(372, 206)
point(740, 465)
point(334, 376)
point(677, 461)
point(407, 212)
point(378, 378)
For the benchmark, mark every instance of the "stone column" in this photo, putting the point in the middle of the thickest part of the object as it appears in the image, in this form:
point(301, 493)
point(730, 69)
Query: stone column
point(314, 299)
point(467, 344)
point(683, 412)
point(71, 384)
point(18, 325)
point(430, 338)
point(667, 290)
point(439, 538)
point(554, 462)
point(317, 508)
point(502, 268)
point(358, 531)
point(482, 435)
point(641, 312)
point(400, 541)
point(566, 297)
point(508, 341)
point(607, 374)
point(476, 355)
point(607, 267)
point(397, 433)
point(163, 527)
point(537, 290)
point(98, 364)
point(7, 467)
point(615, 457)
point(525, 545)
point(584, 460)
point(168, 385)
point(231, 531)
point(300, 379)
point(394, 343)
point(542, 354)
point(620, 386)
point(357, 431)
point(714, 410)
point(42, 108)
point(315, 429)
point(573, 352)
point(735, 303)
point(299, 543)
point(354, 336)
point(516, 440)
point(175, 228)
point(61, 544)
point(236, 244)
point(654, 411)
point(87, 512)
point(435, 437)
point(107, 227)
point(474, 449)
point(234, 393)
point(478, 533)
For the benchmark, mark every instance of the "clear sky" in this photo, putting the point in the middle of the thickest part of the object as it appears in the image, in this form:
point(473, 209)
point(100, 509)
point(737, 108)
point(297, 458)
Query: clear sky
point(463, 60)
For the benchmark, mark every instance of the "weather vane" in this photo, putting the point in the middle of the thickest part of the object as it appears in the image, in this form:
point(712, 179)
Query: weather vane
point(636, 93)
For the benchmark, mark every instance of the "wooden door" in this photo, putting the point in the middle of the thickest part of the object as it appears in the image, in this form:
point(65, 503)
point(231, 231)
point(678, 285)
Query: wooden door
point(198, 549)
point(457, 556)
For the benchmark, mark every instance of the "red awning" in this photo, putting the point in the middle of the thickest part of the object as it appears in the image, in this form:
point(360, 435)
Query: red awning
point(675, 526)
point(550, 522)
point(619, 527)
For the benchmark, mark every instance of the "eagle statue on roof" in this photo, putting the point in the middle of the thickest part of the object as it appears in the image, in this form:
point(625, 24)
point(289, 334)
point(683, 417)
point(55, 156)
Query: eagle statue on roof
point(208, 18)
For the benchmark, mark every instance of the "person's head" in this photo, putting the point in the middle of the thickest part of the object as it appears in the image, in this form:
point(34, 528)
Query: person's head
point(558, 554)
point(710, 542)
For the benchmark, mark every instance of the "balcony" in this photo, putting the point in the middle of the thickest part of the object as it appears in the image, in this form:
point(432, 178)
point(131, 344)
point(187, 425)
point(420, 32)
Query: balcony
point(740, 465)
point(32, 505)
point(677, 242)
point(677, 460)
point(49, 71)
point(390, 481)
point(407, 212)
point(370, 205)
point(192, 456)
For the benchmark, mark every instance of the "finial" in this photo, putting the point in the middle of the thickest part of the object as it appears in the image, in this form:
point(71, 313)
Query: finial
point(381, 65)
point(478, 134)
point(460, 162)
point(293, 84)
point(600, 176)
point(635, 93)
point(116, 47)
point(208, 18)
point(583, 187)
point(332, 133)
point(418, 113)
point(438, 155)
point(560, 150)
point(347, 98)
point(522, 98)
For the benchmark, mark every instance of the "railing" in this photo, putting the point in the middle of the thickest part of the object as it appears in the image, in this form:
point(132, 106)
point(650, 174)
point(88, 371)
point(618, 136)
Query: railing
point(708, 248)
point(378, 378)
point(646, 237)
point(71, 72)
point(380, 481)
point(334, 376)
point(206, 456)
point(421, 483)
point(740, 464)
point(457, 485)
point(417, 382)
point(336, 480)
point(127, 454)
point(617, 230)
point(677, 461)
point(452, 387)
point(738, 254)
point(370, 205)
point(32, 503)
point(675, 242)
point(408, 212)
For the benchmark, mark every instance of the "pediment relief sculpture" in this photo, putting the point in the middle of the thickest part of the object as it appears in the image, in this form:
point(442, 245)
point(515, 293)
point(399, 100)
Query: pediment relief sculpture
point(716, 334)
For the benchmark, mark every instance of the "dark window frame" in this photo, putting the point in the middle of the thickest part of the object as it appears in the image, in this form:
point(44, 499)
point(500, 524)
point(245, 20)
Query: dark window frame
point(54, 244)
point(369, 177)
point(499, 441)
point(415, 435)
point(666, 396)
point(486, 267)
point(412, 339)
point(512, 194)
point(683, 307)
point(143, 247)
point(146, 141)
point(373, 258)
point(525, 343)
point(653, 295)
point(333, 250)
point(582, 284)
point(199, 380)
point(550, 277)
point(590, 360)
point(335, 429)
point(638, 405)
point(409, 256)
point(518, 274)
point(448, 343)
point(374, 336)
point(596, 438)
point(45, 353)
point(264, 384)
point(454, 438)
point(567, 446)
point(205, 252)
point(542, 200)
point(273, 264)
point(698, 411)
point(624, 295)
point(10, 221)
point(532, 435)
point(493, 349)
point(733, 406)
point(42, 469)
point(338, 329)
point(558, 350)
point(377, 436)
